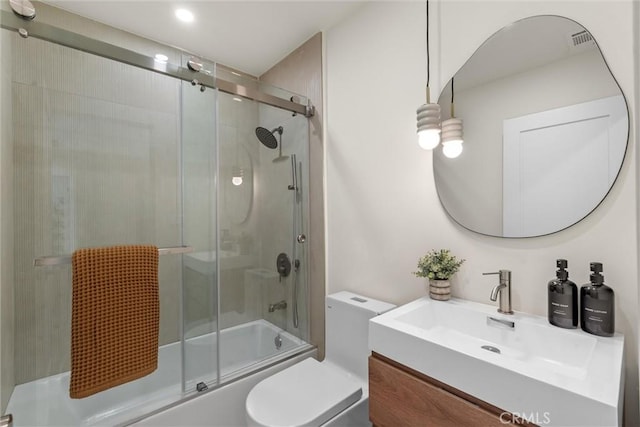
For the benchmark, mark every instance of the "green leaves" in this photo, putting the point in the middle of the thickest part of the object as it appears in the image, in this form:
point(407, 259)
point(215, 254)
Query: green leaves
point(438, 265)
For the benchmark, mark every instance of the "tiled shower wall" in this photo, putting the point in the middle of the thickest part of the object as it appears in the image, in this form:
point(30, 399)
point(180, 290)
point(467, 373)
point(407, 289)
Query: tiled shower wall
point(237, 210)
point(275, 221)
point(96, 163)
point(256, 216)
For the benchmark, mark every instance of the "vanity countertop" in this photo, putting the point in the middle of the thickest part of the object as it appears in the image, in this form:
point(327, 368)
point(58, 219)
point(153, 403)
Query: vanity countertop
point(518, 362)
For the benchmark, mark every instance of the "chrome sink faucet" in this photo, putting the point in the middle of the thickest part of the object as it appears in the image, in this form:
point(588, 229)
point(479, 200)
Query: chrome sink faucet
point(504, 289)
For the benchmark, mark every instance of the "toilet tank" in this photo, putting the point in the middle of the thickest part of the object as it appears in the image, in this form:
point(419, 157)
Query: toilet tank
point(347, 329)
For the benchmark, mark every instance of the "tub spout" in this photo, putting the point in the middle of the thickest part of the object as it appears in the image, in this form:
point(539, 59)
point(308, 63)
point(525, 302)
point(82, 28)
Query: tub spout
point(280, 305)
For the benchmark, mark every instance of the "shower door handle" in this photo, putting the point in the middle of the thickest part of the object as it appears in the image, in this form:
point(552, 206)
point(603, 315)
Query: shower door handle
point(301, 238)
point(294, 174)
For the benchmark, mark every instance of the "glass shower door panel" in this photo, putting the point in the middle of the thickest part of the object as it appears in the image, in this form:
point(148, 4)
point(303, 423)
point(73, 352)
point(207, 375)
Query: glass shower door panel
point(94, 144)
point(261, 212)
point(200, 268)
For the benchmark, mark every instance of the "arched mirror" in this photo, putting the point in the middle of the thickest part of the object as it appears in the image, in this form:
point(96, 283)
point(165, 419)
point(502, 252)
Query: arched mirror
point(545, 131)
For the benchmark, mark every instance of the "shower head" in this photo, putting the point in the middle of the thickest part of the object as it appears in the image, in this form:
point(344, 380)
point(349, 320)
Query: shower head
point(266, 136)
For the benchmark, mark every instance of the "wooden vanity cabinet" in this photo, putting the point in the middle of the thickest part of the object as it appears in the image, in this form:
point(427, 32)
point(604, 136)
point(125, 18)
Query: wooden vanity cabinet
point(402, 397)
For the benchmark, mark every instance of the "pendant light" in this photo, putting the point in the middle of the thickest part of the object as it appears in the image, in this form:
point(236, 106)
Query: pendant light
point(452, 133)
point(428, 114)
point(237, 173)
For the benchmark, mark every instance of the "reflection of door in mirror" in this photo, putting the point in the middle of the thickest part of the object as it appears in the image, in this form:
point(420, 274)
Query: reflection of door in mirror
point(537, 68)
point(559, 164)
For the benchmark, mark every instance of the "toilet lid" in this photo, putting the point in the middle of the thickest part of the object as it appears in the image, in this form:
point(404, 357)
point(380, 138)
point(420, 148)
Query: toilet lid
point(307, 393)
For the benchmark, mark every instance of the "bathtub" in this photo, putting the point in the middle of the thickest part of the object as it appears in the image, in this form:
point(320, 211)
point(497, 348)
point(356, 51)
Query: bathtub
point(244, 351)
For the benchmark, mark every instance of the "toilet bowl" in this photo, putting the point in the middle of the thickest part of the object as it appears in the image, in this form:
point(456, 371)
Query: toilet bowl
point(329, 393)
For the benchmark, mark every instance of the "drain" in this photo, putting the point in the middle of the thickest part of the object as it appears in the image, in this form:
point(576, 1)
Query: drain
point(278, 341)
point(491, 348)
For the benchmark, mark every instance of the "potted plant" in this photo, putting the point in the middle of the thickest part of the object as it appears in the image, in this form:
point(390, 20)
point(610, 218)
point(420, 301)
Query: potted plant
point(438, 266)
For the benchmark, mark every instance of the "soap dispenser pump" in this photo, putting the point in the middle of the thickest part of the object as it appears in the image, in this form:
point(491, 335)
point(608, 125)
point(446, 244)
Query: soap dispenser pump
point(597, 305)
point(563, 298)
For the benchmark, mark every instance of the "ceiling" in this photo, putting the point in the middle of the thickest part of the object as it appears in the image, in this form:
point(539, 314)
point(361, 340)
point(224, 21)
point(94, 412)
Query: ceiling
point(250, 36)
point(519, 47)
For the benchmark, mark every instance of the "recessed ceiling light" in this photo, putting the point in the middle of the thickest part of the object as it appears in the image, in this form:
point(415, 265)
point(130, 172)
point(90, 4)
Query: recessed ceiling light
point(237, 99)
point(236, 74)
point(184, 15)
point(161, 58)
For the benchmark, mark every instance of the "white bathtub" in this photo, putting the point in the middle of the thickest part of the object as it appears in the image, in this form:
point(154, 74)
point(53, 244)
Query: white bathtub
point(244, 349)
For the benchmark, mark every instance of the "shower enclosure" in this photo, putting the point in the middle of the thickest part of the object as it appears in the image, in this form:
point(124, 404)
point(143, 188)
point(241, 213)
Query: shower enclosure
point(99, 152)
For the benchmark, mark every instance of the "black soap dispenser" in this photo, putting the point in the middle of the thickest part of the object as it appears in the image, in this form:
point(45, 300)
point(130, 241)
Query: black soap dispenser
point(563, 298)
point(597, 305)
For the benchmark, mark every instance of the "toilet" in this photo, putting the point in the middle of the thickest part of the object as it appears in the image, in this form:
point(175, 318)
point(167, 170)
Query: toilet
point(333, 392)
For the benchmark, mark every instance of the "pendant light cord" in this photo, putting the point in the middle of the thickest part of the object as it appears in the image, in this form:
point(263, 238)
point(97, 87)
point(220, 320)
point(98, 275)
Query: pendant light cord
point(428, 59)
point(452, 95)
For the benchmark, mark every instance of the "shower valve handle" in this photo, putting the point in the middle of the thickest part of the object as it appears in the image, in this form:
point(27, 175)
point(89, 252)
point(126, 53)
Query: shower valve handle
point(283, 265)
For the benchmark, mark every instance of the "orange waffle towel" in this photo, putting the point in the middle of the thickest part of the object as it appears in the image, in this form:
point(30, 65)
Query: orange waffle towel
point(115, 318)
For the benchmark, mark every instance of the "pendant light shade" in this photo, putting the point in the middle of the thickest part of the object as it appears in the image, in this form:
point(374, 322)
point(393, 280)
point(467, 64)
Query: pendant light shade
point(428, 117)
point(452, 137)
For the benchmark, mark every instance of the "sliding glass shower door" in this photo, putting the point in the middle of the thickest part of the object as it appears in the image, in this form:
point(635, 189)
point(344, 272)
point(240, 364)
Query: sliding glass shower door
point(101, 153)
point(199, 223)
point(96, 148)
point(244, 213)
point(263, 194)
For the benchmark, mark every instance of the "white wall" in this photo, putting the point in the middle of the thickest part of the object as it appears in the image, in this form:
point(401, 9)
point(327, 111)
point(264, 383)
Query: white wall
point(382, 207)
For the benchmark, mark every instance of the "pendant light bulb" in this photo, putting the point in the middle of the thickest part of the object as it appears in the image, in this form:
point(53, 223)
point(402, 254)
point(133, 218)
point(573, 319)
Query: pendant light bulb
point(428, 117)
point(452, 138)
point(428, 139)
point(237, 175)
point(452, 149)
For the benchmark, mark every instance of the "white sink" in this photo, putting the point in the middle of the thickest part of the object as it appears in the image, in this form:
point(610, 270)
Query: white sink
point(551, 375)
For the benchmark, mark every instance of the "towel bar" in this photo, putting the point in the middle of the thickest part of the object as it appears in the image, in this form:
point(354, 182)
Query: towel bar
point(66, 259)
